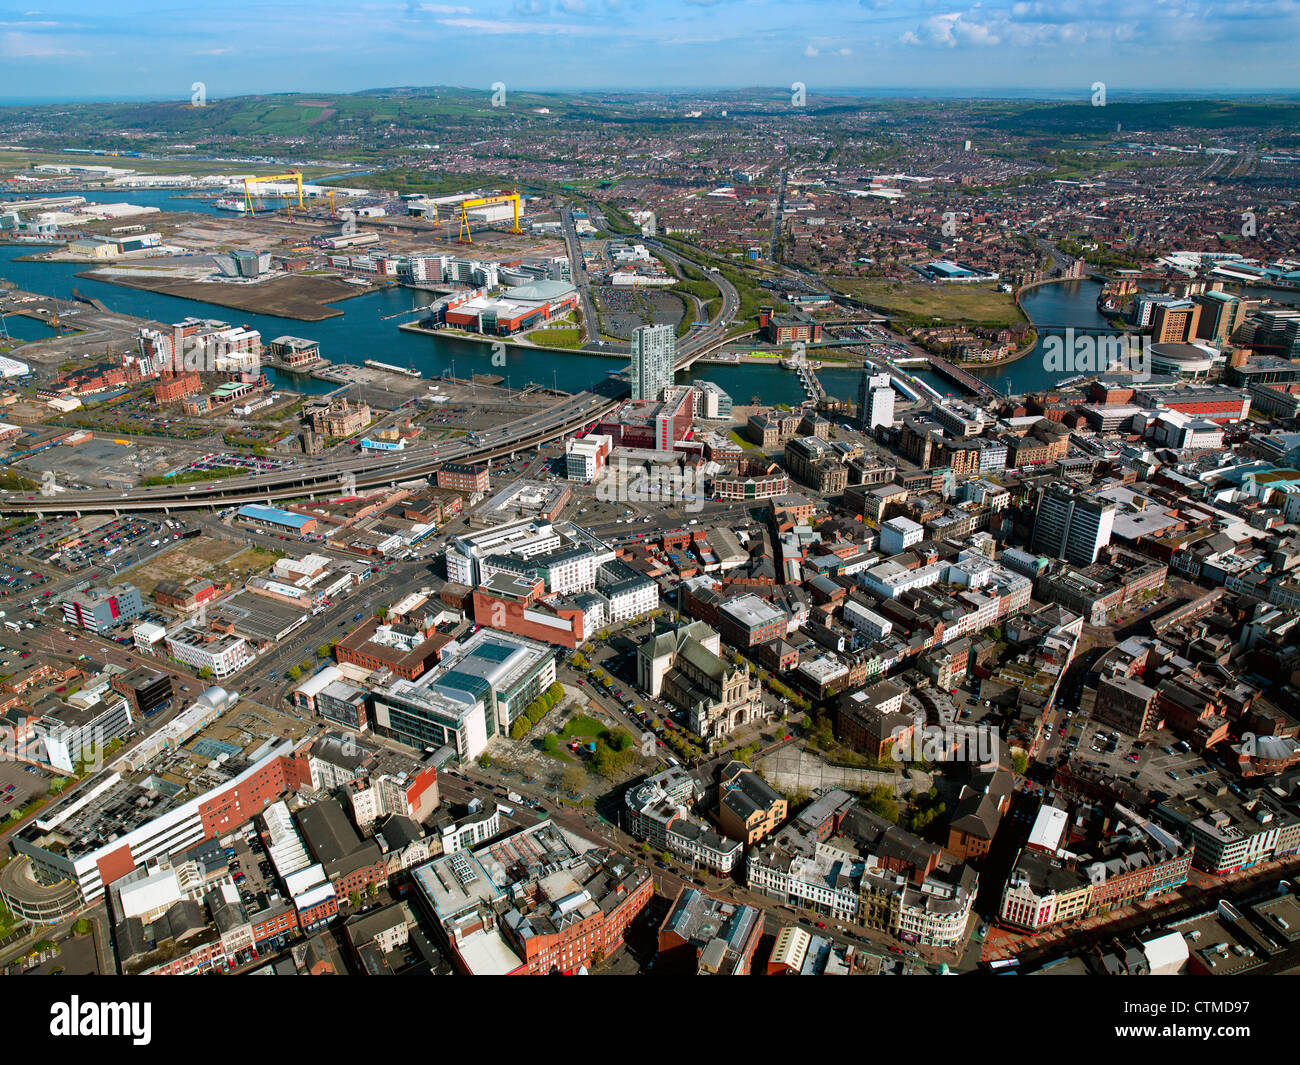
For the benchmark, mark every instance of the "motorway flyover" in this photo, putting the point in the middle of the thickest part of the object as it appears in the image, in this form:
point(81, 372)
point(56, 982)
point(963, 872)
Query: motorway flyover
point(329, 478)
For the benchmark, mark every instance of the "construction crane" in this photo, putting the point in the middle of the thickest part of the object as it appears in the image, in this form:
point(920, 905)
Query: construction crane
point(330, 196)
point(511, 198)
point(295, 177)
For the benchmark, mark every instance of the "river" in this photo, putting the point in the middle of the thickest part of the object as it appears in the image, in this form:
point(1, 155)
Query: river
point(360, 332)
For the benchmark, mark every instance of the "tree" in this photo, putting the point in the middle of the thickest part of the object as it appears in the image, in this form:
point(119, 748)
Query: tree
point(485, 760)
point(206, 672)
point(373, 889)
point(880, 801)
point(606, 761)
point(1019, 762)
point(354, 897)
point(520, 728)
point(550, 744)
point(573, 780)
point(323, 651)
point(294, 673)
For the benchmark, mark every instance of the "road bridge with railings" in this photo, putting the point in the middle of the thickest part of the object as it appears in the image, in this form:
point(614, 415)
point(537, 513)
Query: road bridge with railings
point(960, 377)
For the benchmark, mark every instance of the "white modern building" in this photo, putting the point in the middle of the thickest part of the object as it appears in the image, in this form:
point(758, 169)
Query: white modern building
point(222, 653)
point(875, 400)
point(898, 534)
point(585, 458)
point(654, 353)
point(1072, 525)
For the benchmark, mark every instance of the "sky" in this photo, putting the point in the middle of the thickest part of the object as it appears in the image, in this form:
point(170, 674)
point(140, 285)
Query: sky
point(90, 49)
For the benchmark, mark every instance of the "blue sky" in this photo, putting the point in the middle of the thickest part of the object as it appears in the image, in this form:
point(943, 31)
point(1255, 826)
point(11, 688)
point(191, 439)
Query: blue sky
point(160, 48)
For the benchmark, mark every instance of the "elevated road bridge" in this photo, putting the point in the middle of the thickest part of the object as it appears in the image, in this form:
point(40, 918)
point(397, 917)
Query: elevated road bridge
point(330, 477)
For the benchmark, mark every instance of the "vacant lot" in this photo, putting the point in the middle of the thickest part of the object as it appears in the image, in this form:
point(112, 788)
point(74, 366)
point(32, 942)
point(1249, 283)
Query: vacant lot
point(204, 556)
point(299, 296)
point(976, 304)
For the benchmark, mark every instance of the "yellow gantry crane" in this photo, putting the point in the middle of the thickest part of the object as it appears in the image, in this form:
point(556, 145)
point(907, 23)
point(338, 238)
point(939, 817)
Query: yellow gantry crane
point(295, 177)
point(511, 198)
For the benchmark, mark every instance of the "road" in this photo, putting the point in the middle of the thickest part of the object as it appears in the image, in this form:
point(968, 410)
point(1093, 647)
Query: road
point(335, 474)
point(578, 275)
point(776, 218)
point(704, 339)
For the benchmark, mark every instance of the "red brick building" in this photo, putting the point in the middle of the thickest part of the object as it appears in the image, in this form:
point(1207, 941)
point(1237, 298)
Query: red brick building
point(177, 386)
point(788, 328)
point(598, 935)
point(525, 615)
point(463, 476)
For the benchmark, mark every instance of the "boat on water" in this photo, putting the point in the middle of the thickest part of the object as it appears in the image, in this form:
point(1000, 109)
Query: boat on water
point(356, 281)
point(228, 203)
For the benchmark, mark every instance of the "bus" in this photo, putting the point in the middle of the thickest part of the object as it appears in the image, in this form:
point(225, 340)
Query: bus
point(13, 626)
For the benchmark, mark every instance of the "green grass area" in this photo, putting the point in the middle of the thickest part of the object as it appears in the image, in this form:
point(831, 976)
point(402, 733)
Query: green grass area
point(557, 338)
point(580, 725)
point(736, 438)
point(921, 302)
point(752, 295)
point(215, 474)
point(704, 291)
point(12, 482)
point(618, 220)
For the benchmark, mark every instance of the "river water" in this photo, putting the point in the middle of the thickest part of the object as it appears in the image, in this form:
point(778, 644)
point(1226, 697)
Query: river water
point(360, 333)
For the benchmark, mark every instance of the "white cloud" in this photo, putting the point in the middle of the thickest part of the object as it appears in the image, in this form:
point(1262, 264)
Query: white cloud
point(32, 46)
point(491, 26)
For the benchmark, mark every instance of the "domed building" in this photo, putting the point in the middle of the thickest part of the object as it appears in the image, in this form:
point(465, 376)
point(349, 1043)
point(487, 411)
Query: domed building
point(1192, 362)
